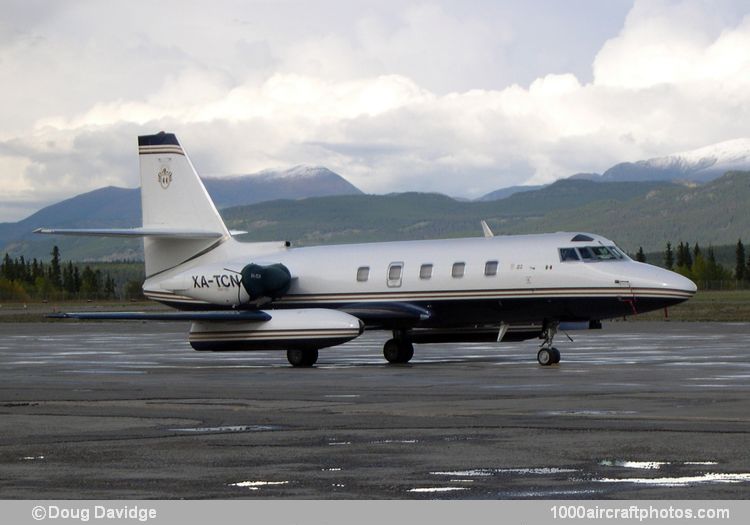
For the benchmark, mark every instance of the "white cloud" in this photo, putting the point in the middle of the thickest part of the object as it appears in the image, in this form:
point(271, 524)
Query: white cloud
point(390, 102)
point(674, 43)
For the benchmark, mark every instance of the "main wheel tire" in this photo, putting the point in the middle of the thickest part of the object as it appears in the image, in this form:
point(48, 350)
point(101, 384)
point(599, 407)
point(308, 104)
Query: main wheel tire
point(302, 358)
point(391, 351)
point(398, 352)
point(555, 355)
point(407, 351)
point(544, 356)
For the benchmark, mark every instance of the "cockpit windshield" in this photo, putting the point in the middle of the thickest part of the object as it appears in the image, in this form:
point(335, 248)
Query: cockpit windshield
point(591, 254)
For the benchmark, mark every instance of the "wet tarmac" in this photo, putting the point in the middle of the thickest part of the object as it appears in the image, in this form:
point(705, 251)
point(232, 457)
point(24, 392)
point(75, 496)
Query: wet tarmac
point(128, 410)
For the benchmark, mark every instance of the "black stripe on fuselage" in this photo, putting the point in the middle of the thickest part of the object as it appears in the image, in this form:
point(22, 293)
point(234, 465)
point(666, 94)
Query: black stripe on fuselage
point(469, 312)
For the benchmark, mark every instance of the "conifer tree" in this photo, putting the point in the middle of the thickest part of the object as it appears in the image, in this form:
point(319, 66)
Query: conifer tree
point(739, 266)
point(681, 262)
point(55, 274)
point(109, 287)
point(7, 268)
point(640, 256)
point(669, 257)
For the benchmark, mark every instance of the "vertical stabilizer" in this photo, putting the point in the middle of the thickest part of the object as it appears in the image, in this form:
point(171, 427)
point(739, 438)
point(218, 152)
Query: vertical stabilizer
point(173, 196)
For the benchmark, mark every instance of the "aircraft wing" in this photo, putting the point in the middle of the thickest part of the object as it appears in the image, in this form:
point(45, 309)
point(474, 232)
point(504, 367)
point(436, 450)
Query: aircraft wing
point(219, 315)
point(375, 314)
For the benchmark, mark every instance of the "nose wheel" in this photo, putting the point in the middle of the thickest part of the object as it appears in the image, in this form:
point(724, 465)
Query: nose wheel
point(548, 356)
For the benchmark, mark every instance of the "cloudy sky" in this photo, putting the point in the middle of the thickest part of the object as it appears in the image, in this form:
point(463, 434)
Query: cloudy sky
point(457, 97)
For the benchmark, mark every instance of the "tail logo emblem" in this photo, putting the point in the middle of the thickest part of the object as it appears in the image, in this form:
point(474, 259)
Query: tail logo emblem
point(165, 177)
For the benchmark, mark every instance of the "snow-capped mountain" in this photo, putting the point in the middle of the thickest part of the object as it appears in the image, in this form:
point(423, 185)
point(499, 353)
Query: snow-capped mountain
point(698, 165)
point(301, 171)
point(298, 182)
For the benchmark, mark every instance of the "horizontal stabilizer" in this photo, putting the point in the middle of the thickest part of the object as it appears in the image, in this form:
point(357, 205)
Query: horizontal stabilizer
point(229, 315)
point(135, 232)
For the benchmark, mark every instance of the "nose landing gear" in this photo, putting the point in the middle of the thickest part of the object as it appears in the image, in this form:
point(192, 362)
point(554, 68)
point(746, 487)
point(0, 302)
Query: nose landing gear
point(548, 354)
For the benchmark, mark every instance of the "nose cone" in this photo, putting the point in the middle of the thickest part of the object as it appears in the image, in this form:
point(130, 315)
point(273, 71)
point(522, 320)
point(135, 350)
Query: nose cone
point(675, 281)
point(656, 279)
point(657, 288)
point(650, 287)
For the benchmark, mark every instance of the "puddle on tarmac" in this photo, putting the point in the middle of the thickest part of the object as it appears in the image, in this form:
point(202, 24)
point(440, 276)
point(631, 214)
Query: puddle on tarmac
point(650, 465)
point(486, 472)
point(342, 396)
point(257, 485)
point(438, 489)
point(672, 481)
point(224, 429)
point(546, 493)
point(646, 465)
point(682, 480)
point(589, 412)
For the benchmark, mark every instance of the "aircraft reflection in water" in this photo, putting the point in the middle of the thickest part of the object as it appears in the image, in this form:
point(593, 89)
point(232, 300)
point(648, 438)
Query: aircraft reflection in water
point(261, 296)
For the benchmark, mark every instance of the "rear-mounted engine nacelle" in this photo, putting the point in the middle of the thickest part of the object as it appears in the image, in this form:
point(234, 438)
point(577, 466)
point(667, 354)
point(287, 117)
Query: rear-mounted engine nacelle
point(270, 281)
point(224, 286)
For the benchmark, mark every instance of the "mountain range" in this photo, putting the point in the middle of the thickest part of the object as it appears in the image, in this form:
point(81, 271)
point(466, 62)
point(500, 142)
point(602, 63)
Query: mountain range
point(642, 213)
point(699, 166)
point(315, 206)
point(113, 207)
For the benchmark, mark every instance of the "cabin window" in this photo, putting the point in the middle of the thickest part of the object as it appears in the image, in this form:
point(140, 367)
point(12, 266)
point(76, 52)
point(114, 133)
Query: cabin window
point(363, 273)
point(425, 271)
point(458, 270)
point(568, 254)
point(490, 268)
point(394, 274)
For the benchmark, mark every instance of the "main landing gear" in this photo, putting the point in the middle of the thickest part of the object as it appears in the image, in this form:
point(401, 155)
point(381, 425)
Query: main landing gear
point(398, 350)
point(302, 358)
point(548, 354)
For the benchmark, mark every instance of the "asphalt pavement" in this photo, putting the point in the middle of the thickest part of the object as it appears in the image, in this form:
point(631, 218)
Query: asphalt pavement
point(638, 410)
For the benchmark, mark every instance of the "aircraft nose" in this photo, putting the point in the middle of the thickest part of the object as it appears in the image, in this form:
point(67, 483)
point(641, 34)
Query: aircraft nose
point(675, 281)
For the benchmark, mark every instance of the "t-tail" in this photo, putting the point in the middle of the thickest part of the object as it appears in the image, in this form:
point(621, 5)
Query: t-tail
point(180, 221)
point(174, 198)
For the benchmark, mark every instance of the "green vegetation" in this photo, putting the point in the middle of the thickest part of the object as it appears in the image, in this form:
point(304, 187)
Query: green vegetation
point(707, 305)
point(22, 280)
point(408, 216)
point(710, 269)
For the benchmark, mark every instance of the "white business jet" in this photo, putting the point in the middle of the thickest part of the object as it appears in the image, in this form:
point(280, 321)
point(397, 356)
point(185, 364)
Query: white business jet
point(265, 296)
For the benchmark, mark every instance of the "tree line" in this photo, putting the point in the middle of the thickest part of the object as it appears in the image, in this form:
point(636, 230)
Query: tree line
point(24, 280)
point(702, 267)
